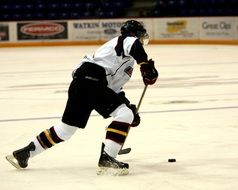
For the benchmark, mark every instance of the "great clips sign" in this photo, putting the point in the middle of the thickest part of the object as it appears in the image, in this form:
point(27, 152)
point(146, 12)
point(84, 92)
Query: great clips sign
point(42, 30)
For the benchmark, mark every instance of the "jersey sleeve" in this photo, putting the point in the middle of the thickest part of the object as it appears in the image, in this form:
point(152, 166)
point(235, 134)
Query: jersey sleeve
point(131, 46)
point(138, 52)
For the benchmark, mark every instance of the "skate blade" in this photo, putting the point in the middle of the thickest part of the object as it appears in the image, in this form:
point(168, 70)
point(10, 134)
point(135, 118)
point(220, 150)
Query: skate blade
point(11, 159)
point(112, 171)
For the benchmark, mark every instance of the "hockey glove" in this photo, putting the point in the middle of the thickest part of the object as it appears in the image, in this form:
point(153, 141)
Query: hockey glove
point(149, 72)
point(122, 95)
point(136, 120)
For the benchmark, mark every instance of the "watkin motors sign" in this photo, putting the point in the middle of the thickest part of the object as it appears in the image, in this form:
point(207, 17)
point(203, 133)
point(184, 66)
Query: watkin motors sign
point(42, 30)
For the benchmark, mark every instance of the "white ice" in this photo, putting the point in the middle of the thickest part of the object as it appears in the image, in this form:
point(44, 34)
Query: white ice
point(191, 114)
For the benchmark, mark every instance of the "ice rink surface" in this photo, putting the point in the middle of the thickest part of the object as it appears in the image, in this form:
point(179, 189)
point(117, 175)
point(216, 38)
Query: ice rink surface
point(191, 114)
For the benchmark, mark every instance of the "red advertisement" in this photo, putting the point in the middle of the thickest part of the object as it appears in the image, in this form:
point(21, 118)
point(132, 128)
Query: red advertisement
point(42, 30)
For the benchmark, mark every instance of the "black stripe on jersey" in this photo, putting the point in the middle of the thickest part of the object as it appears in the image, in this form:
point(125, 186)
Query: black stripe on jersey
point(119, 47)
point(138, 52)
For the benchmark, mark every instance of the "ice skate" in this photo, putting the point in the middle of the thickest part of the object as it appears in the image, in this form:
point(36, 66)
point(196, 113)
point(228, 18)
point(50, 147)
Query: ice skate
point(19, 158)
point(110, 166)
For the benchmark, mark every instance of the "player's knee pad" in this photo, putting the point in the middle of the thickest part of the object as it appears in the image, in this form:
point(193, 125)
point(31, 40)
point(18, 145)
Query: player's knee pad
point(117, 131)
point(55, 135)
point(123, 114)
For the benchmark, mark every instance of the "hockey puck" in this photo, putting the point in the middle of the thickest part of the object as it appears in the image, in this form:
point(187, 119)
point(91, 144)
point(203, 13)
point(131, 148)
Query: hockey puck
point(171, 160)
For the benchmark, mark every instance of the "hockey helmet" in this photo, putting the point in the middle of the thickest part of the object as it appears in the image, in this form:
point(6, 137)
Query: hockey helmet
point(133, 27)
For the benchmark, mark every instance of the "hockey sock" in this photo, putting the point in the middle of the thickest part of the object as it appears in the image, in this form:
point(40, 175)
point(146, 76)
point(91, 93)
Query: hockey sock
point(115, 137)
point(112, 148)
point(48, 138)
point(39, 149)
point(45, 140)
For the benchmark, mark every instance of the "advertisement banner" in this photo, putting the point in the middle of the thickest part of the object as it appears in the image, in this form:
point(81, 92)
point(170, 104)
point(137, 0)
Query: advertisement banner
point(110, 28)
point(217, 28)
point(236, 28)
point(103, 29)
point(42, 30)
point(84, 30)
point(4, 32)
point(176, 28)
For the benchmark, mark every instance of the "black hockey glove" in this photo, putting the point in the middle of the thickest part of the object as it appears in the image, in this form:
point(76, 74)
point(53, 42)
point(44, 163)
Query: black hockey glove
point(136, 120)
point(149, 72)
point(122, 95)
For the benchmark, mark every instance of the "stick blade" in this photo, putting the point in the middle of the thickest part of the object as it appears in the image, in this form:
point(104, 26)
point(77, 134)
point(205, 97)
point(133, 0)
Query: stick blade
point(124, 151)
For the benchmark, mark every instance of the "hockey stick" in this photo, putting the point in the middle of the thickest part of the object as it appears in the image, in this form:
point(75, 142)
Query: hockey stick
point(127, 150)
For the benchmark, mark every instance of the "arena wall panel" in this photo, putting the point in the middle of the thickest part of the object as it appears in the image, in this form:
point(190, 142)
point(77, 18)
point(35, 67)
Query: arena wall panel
point(182, 30)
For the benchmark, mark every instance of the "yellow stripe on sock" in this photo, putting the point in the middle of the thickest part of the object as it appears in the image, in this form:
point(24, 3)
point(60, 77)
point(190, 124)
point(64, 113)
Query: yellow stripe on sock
point(47, 134)
point(117, 131)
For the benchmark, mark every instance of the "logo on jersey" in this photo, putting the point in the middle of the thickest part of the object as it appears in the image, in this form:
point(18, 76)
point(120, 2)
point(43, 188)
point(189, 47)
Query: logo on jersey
point(128, 71)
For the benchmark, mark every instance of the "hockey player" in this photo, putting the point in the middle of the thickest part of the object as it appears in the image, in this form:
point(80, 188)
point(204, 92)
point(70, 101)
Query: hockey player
point(97, 85)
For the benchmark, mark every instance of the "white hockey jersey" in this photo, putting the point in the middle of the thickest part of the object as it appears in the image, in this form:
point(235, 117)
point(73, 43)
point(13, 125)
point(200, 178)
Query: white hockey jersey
point(115, 57)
